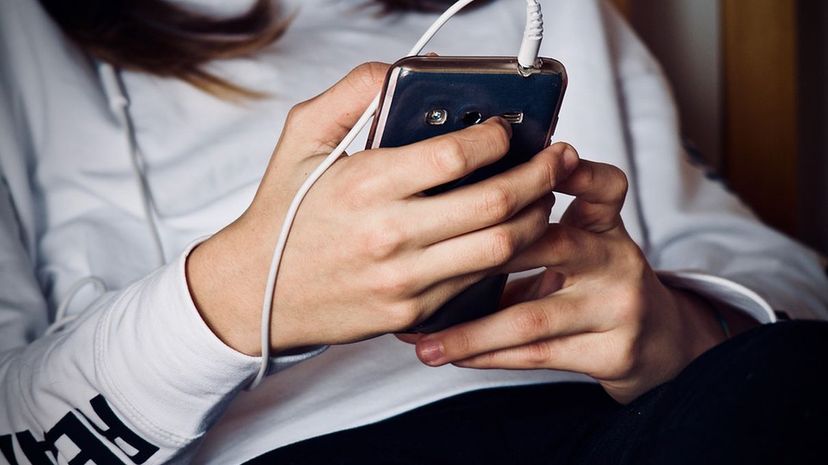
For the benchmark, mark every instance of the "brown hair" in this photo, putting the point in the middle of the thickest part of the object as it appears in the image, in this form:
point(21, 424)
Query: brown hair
point(166, 39)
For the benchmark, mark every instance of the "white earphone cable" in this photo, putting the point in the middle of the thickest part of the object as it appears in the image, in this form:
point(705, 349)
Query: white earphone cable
point(119, 105)
point(532, 35)
point(61, 318)
point(527, 58)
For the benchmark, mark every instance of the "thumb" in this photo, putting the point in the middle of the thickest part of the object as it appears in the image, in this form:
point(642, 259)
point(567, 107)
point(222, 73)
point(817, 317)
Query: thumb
point(323, 121)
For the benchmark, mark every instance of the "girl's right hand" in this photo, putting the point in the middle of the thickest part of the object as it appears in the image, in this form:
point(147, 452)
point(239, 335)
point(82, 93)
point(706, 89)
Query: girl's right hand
point(368, 254)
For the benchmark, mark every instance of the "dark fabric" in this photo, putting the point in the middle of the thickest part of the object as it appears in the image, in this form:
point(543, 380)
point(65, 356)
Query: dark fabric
point(759, 398)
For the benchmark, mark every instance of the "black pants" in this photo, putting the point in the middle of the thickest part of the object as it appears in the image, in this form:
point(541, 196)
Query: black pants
point(760, 398)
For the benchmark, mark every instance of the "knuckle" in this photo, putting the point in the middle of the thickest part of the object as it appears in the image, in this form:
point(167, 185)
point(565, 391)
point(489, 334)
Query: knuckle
point(538, 354)
point(356, 197)
point(297, 114)
point(460, 344)
point(393, 283)
point(503, 246)
point(360, 192)
point(540, 217)
point(383, 241)
point(489, 359)
point(361, 244)
point(530, 324)
point(403, 314)
point(498, 204)
point(585, 177)
point(561, 241)
point(631, 259)
point(621, 183)
point(367, 76)
point(449, 157)
point(549, 172)
point(626, 359)
point(627, 306)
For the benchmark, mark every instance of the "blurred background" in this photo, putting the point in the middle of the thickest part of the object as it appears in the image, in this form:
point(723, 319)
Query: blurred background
point(751, 80)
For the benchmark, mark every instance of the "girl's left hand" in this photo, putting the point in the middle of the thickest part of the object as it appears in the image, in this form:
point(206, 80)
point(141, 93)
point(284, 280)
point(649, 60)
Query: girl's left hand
point(597, 309)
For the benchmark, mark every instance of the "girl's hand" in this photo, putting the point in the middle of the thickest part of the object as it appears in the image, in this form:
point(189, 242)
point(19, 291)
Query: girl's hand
point(598, 309)
point(368, 254)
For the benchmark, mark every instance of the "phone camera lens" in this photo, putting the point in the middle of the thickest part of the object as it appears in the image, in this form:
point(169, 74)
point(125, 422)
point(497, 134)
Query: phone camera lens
point(436, 117)
point(472, 117)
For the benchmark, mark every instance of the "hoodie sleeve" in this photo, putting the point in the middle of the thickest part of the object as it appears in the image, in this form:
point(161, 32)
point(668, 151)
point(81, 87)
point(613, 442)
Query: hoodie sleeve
point(137, 378)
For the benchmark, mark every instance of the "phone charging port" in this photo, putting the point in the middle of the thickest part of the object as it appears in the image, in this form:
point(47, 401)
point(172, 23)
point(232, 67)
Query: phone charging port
point(513, 117)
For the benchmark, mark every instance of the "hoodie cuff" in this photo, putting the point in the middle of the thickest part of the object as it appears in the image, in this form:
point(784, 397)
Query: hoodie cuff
point(722, 290)
point(163, 364)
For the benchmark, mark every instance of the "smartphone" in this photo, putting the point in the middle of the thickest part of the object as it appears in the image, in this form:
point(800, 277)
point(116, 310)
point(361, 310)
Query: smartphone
point(426, 96)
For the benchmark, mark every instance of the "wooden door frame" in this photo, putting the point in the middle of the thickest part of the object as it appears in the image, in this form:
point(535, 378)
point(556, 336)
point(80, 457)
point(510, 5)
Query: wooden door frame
point(761, 108)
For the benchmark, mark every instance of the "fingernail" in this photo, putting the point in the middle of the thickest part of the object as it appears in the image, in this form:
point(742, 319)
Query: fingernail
point(570, 158)
point(430, 352)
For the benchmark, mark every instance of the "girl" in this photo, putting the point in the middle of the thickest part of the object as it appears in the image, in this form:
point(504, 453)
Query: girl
point(141, 198)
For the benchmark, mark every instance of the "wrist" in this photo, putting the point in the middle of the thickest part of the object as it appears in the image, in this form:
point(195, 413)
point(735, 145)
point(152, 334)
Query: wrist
point(226, 283)
point(735, 320)
point(702, 325)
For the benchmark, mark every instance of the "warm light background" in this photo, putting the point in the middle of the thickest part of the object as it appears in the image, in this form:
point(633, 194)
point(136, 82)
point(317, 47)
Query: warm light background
point(751, 79)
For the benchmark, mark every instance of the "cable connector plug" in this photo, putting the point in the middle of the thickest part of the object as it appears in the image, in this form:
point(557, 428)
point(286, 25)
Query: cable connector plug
point(532, 36)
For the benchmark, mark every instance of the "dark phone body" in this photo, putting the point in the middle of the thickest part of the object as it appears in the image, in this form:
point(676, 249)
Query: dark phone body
point(463, 86)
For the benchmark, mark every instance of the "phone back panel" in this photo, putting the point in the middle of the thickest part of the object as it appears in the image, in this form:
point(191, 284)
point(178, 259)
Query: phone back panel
point(488, 86)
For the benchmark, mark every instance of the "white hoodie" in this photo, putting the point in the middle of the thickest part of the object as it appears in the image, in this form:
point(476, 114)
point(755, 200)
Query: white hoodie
point(139, 378)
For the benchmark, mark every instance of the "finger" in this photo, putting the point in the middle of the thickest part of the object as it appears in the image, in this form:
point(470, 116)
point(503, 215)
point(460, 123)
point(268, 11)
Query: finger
point(573, 353)
point(519, 290)
point(435, 296)
point(484, 249)
point(562, 248)
point(537, 286)
point(556, 316)
point(409, 338)
point(324, 120)
point(599, 190)
point(432, 162)
point(493, 200)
